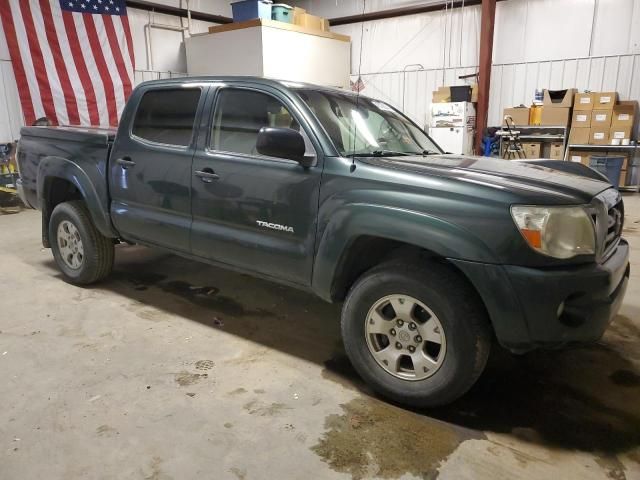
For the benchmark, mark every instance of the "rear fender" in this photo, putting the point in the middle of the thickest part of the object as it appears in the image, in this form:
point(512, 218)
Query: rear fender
point(90, 182)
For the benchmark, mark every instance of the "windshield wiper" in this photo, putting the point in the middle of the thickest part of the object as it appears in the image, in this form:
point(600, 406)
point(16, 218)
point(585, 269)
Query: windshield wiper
point(383, 153)
point(429, 152)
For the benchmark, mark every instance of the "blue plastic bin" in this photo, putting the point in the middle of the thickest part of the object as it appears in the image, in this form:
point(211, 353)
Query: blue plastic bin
point(282, 13)
point(610, 167)
point(251, 9)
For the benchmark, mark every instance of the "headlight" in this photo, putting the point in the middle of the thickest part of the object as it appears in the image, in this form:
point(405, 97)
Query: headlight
point(560, 232)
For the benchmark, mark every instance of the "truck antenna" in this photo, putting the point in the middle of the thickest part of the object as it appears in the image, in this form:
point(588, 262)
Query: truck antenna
point(359, 83)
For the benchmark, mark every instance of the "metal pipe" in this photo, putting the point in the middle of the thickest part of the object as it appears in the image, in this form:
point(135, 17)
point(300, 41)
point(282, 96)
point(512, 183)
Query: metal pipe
point(176, 11)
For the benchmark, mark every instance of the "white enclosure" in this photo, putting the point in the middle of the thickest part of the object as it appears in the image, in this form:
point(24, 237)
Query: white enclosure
point(271, 51)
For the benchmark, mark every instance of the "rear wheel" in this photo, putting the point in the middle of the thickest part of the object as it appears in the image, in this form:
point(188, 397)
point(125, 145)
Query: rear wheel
point(417, 334)
point(81, 252)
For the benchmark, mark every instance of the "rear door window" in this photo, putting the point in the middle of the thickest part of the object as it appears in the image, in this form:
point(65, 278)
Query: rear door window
point(167, 116)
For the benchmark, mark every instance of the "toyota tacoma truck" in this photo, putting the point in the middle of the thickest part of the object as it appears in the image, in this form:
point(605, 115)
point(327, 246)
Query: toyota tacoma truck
point(432, 255)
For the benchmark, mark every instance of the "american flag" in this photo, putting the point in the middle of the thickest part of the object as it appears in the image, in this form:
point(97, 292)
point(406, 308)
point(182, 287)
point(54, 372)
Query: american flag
point(72, 59)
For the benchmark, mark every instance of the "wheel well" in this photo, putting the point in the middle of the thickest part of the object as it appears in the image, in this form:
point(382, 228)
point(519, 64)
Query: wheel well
point(56, 190)
point(366, 252)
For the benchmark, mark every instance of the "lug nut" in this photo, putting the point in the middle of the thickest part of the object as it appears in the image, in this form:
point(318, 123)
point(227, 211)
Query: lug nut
point(418, 339)
point(398, 345)
point(411, 348)
point(399, 322)
point(392, 332)
point(412, 326)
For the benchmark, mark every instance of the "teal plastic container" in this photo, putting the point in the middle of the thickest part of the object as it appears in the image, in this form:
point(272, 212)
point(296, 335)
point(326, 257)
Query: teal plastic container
point(282, 13)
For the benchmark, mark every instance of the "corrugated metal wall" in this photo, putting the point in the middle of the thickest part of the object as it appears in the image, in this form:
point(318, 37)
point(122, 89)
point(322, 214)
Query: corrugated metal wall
point(589, 44)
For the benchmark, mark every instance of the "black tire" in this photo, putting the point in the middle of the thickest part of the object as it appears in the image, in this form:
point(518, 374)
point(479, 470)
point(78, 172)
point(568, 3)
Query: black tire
point(97, 261)
point(459, 310)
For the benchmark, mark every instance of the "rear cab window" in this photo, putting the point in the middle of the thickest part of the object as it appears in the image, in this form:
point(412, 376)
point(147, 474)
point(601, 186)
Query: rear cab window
point(167, 116)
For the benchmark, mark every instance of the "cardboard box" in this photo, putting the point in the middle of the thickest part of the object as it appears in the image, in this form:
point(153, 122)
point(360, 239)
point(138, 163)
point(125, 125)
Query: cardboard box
point(312, 22)
point(581, 118)
point(624, 114)
point(474, 93)
point(555, 116)
point(579, 156)
point(579, 136)
point(583, 101)
point(531, 150)
point(559, 98)
point(556, 151)
point(442, 95)
point(605, 100)
point(601, 118)
point(620, 132)
point(598, 136)
point(298, 16)
point(520, 115)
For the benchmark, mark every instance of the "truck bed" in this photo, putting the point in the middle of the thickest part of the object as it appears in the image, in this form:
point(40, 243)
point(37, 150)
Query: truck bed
point(54, 149)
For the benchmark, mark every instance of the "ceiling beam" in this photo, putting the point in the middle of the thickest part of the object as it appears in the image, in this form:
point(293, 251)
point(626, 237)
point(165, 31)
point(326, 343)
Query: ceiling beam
point(402, 11)
point(176, 11)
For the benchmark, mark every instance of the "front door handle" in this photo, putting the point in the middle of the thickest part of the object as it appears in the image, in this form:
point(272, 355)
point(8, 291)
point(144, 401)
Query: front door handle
point(125, 162)
point(207, 175)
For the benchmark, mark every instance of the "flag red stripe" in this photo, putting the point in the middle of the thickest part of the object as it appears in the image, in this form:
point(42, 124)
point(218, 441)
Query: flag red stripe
point(117, 55)
point(38, 63)
point(63, 74)
point(16, 60)
point(127, 31)
point(81, 67)
point(101, 63)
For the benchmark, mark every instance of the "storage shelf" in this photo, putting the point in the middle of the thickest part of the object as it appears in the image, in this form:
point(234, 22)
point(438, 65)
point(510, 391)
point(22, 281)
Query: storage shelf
point(584, 146)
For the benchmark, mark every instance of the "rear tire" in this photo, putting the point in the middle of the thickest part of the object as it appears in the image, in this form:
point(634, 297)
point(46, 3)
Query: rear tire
point(436, 345)
point(82, 253)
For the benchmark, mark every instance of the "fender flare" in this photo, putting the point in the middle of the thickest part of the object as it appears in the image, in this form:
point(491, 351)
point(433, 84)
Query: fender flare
point(411, 227)
point(97, 199)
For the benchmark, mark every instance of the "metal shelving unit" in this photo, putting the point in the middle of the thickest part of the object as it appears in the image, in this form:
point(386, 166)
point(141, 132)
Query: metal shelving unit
point(540, 133)
point(633, 160)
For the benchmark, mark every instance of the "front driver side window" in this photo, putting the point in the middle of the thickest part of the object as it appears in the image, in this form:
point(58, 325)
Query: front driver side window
point(239, 116)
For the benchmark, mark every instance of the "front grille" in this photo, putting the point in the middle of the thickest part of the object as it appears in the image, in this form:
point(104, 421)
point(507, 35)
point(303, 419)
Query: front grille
point(615, 222)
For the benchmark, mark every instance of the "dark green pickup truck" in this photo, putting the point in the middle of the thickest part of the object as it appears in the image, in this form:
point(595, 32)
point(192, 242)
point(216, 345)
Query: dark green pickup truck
point(433, 255)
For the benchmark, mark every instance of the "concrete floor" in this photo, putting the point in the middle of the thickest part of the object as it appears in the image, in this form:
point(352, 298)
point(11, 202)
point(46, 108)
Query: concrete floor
point(175, 370)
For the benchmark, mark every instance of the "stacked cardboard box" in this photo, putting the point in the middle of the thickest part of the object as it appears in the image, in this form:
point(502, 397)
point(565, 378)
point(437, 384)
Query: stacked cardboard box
point(556, 107)
point(306, 20)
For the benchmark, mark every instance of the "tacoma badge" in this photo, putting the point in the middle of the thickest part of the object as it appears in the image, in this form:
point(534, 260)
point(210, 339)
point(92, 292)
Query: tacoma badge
point(274, 226)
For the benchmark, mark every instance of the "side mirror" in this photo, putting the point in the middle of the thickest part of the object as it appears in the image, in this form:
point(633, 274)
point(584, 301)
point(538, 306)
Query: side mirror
point(282, 143)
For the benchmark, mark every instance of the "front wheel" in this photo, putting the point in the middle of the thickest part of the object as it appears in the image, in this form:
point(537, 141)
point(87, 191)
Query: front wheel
point(418, 334)
point(81, 252)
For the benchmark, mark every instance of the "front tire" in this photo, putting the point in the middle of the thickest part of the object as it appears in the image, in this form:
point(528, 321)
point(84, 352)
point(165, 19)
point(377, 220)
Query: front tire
point(81, 252)
point(417, 334)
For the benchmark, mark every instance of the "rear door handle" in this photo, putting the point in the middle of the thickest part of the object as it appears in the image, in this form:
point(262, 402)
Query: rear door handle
point(207, 175)
point(125, 162)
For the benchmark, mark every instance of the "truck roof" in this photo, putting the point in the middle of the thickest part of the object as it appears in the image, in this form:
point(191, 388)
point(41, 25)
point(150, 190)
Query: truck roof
point(290, 84)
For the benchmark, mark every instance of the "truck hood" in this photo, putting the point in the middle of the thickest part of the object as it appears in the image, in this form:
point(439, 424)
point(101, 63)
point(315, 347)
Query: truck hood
point(514, 176)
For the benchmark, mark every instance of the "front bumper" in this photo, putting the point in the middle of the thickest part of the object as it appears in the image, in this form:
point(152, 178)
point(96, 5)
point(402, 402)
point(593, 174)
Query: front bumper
point(533, 308)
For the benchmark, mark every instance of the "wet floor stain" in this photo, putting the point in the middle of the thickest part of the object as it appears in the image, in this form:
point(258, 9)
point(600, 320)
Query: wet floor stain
point(612, 467)
point(185, 378)
point(566, 400)
point(372, 438)
point(265, 410)
point(207, 297)
point(625, 378)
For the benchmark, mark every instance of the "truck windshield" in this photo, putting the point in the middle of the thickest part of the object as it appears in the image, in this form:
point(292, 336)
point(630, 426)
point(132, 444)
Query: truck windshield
point(366, 127)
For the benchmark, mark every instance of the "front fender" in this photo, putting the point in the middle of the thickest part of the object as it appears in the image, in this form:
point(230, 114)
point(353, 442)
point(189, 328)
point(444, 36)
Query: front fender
point(407, 226)
point(89, 181)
